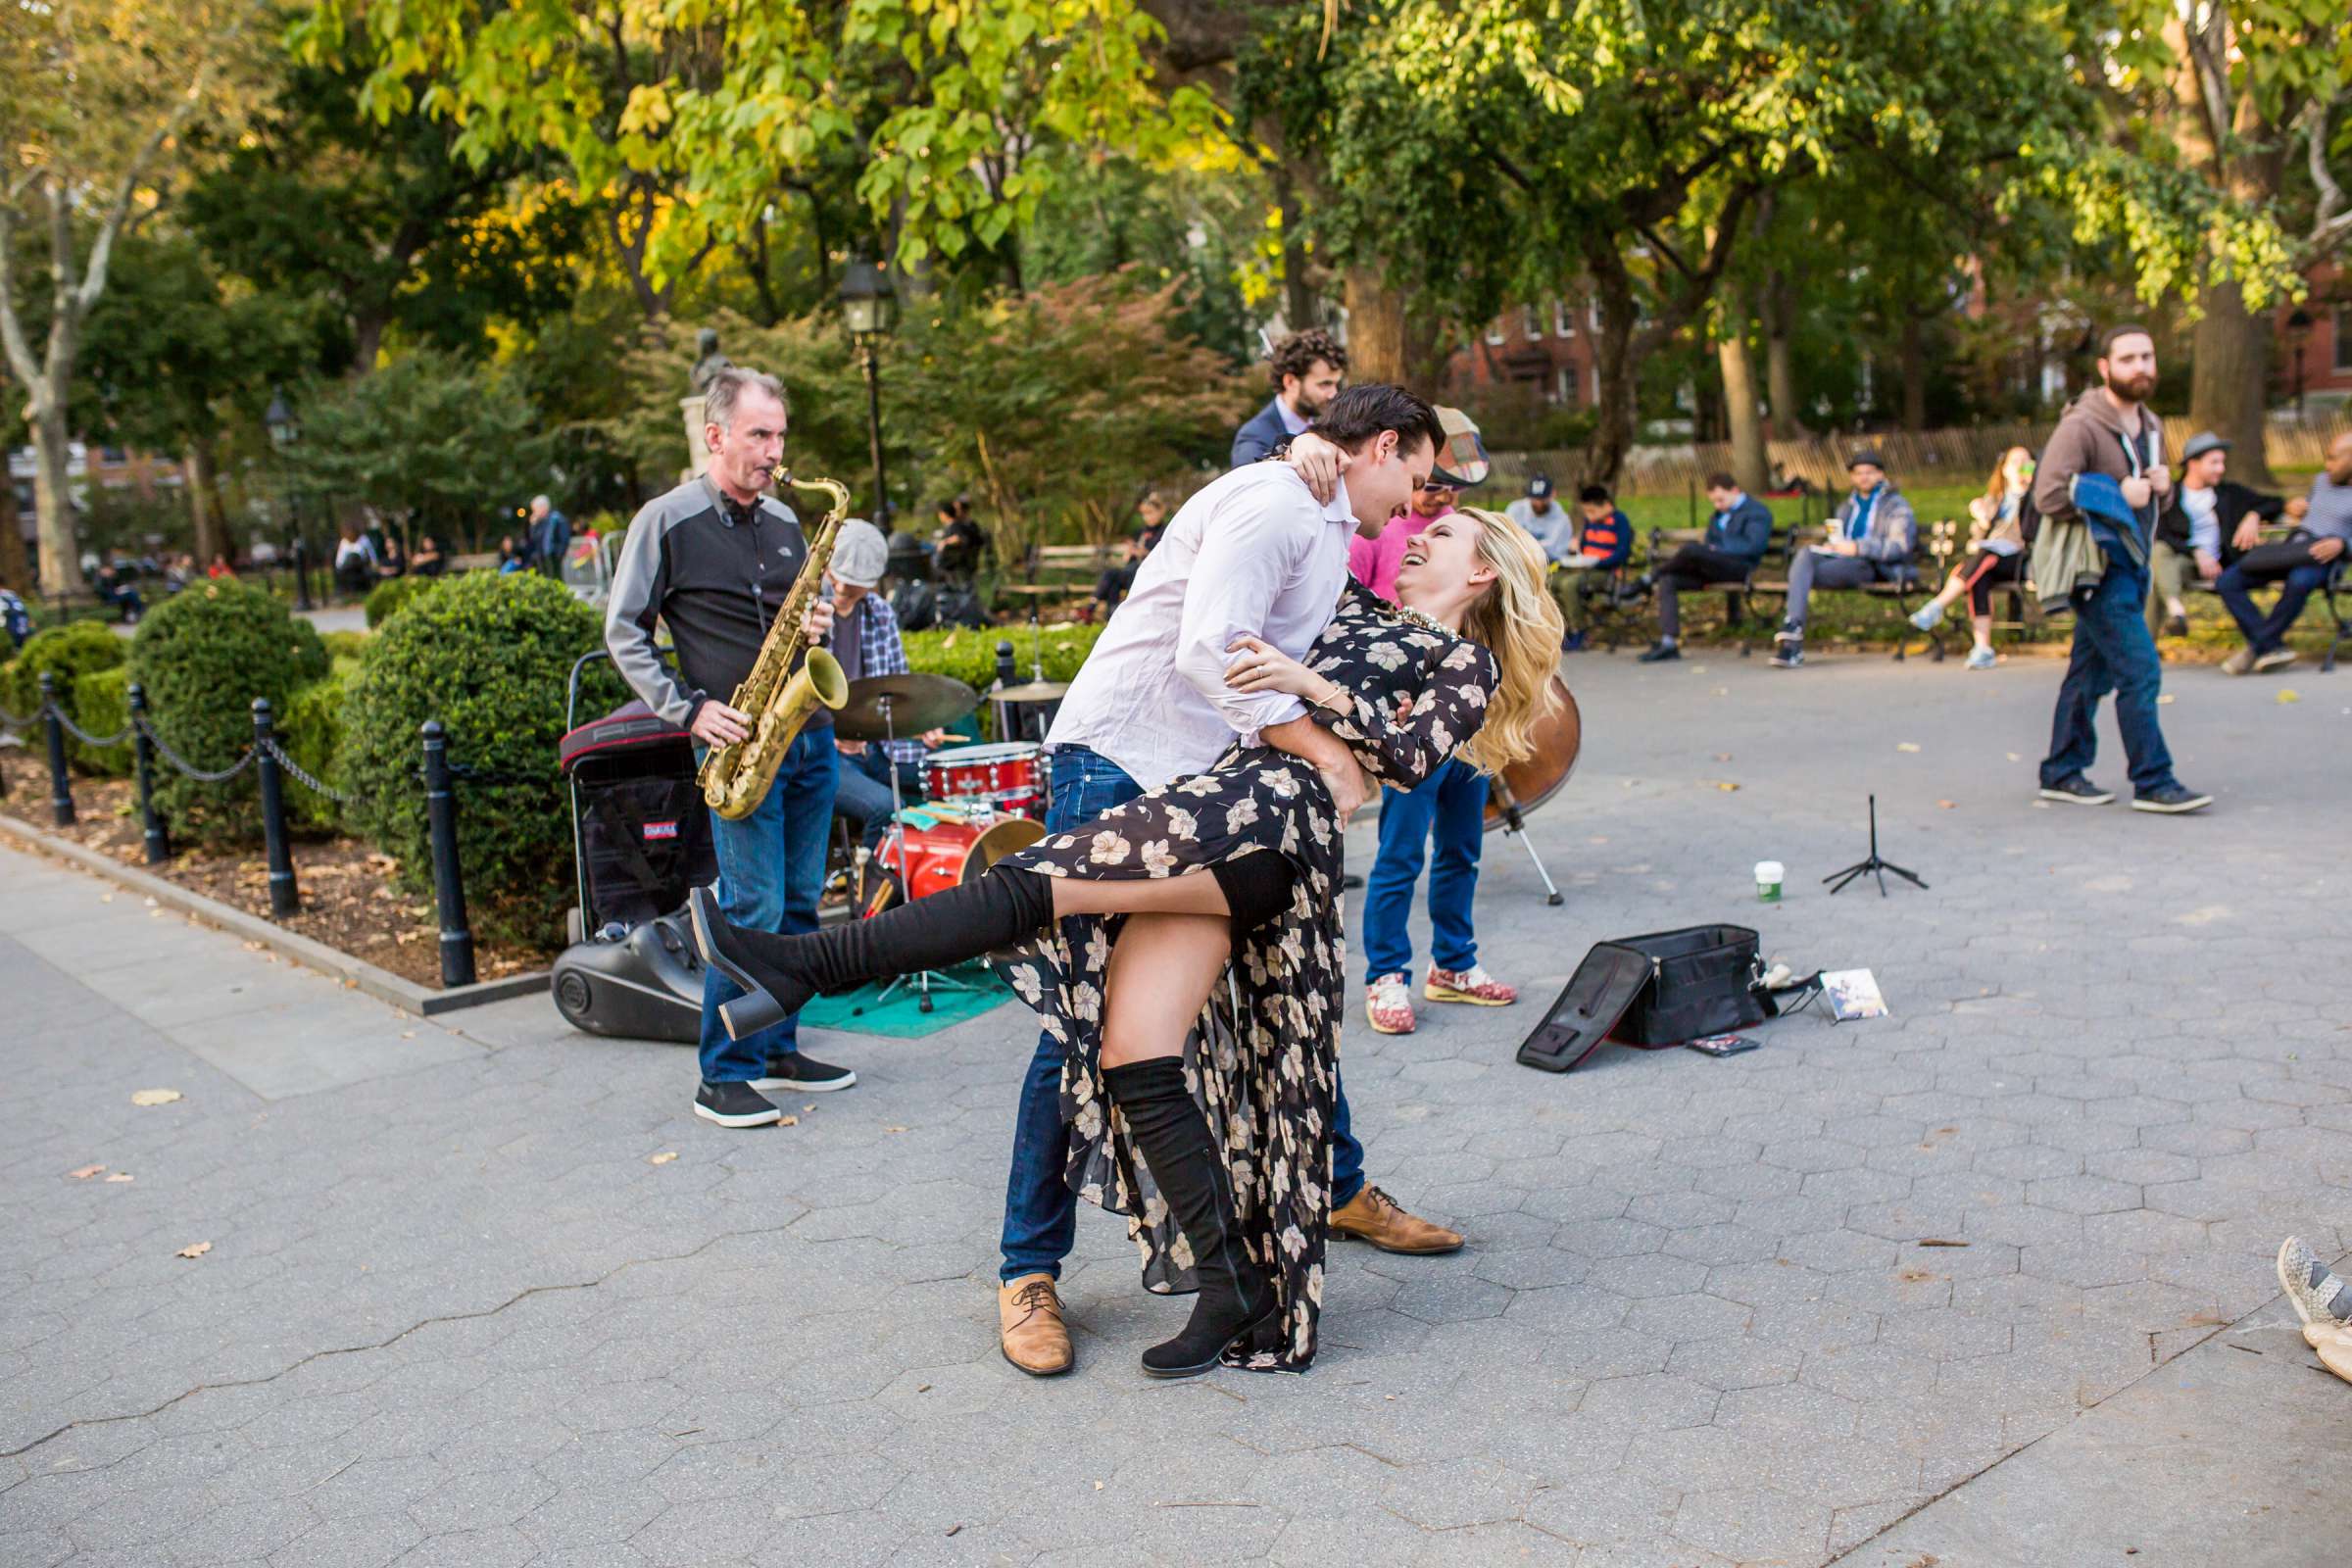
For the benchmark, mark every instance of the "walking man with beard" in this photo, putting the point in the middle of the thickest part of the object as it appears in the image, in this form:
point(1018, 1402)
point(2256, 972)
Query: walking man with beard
point(2108, 432)
point(1308, 367)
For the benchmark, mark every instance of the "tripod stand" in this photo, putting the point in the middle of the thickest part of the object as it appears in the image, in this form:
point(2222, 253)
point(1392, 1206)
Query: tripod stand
point(1873, 866)
point(1515, 825)
point(922, 979)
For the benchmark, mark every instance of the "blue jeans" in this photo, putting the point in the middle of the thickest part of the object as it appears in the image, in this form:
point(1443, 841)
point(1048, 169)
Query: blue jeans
point(863, 793)
point(771, 865)
point(2267, 632)
point(1041, 1213)
point(2113, 652)
point(1451, 806)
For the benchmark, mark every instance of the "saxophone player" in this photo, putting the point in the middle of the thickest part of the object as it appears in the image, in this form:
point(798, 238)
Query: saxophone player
point(716, 558)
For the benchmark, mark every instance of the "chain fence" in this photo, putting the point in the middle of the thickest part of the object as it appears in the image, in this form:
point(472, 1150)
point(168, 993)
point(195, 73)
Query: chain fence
point(303, 776)
point(202, 775)
point(95, 742)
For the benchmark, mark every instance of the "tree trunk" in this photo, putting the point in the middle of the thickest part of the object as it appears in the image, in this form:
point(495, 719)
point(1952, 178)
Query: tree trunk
point(53, 502)
point(1376, 333)
point(212, 538)
point(1299, 306)
point(2230, 379)
point(1915, 374)
point(1740, 409)
point(1780, 375)
point(16, 569)
point(1614, 369)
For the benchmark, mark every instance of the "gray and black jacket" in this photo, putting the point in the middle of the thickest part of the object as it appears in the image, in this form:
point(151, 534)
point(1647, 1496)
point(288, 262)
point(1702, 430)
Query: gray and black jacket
point(716, 573)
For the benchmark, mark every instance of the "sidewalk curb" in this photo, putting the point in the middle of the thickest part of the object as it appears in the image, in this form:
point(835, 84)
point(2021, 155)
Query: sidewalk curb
point(381, 984)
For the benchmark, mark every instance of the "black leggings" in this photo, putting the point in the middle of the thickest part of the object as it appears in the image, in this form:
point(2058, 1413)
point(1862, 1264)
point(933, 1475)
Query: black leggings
point(1984, 574)
point(1256, 888)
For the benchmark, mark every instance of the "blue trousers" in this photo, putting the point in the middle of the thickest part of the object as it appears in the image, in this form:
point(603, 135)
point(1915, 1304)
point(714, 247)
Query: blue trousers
point(1041, 1213)
point(1450, 808)
point(2113, 652)
point(2265, 634)
point(771, 866)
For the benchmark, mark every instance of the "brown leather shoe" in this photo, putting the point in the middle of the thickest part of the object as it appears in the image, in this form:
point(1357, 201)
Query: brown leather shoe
point(1373, 1216)
point(1029, 1319)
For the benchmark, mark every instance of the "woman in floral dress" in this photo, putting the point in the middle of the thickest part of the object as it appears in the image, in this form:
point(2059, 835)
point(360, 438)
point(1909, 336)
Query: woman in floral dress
point(1186, 946)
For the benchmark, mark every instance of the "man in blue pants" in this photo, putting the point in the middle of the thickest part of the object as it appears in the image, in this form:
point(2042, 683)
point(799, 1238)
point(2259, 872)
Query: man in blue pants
point(1445, 817)
point(1252, 554)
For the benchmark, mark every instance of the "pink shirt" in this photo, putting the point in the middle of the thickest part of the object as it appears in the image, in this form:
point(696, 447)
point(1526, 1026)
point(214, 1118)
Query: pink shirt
point(1374, 562)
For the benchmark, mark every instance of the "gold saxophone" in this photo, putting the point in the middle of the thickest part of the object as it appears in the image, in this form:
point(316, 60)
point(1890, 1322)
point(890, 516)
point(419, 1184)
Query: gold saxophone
point(736, 777)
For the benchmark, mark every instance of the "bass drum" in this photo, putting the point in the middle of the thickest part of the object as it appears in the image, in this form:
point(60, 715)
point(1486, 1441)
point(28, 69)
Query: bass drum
point(1532, 782)
point(935, 859)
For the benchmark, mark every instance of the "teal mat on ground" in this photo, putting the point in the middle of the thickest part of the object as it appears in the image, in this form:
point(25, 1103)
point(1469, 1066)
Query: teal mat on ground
point(901, 1017)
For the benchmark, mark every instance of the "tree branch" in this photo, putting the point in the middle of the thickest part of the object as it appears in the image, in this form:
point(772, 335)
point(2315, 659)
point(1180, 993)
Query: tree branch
point(117, 211)
point(20, 363)
point(2334, 219)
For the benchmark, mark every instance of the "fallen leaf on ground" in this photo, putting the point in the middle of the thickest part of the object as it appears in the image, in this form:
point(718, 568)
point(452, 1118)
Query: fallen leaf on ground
point(2287, 694)
point(663, 1159)
point(1722, 756)
point(2013, 758)
point(894, 1129)
point(2165, 698)
point(155, 1096)
point(1947, 805)
point(1906, 746)
point(1937, 1240)
point(85, 1173)
point(194, 1250)
point(788, 1121)
point(122, 1176)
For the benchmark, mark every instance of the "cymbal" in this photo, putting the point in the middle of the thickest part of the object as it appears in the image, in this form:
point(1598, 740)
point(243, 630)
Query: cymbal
point(918, 702)
point(1036, 690)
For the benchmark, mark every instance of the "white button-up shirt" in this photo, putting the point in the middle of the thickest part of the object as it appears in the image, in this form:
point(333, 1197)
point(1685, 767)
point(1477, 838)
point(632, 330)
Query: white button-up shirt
point(1254, 553)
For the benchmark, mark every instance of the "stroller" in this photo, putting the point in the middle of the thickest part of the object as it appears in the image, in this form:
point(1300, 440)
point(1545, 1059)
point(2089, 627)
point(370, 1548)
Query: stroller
point(640, 841)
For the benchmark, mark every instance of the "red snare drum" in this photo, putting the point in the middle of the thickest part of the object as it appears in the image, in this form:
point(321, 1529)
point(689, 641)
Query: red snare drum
point(923, 861)
point(1009, 774)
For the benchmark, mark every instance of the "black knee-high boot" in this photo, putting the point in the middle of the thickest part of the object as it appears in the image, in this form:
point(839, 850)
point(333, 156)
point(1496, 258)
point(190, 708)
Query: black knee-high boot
point(780, 973)
point(1235, 1300)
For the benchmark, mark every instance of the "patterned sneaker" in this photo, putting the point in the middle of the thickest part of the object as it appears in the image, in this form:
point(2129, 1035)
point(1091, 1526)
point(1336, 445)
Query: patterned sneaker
point(1472, 985)
point(1388, 1005)
point(2315, 1294)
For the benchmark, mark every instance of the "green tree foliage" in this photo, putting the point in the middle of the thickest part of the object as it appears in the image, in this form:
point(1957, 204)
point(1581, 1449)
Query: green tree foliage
point(203, 656)
point(488, 656)
point(439, 444)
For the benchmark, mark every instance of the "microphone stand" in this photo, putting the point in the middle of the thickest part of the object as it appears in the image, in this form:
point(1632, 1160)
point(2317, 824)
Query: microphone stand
point(923, 979)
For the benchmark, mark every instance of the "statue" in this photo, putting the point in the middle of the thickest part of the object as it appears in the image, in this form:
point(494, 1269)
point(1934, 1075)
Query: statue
point(709, 360)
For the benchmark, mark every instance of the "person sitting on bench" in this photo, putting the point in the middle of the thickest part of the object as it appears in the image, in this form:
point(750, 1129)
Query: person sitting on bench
point(1605, 542)
point(2298, 566)
point(1870, 539)
point(2207, 524)
point(1737, 538)
point(1997, 553)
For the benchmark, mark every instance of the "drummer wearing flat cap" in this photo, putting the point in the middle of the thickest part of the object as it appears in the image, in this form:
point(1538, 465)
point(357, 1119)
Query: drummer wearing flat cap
point(866, 641)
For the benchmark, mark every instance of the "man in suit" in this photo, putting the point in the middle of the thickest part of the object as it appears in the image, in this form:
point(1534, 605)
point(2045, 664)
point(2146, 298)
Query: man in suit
point(550, 536)
point(1736, 537)
point(1308, 367)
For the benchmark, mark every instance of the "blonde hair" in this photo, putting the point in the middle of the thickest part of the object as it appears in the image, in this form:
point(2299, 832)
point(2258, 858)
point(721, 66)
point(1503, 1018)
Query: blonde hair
point(1516, 620)
point(1996, 488)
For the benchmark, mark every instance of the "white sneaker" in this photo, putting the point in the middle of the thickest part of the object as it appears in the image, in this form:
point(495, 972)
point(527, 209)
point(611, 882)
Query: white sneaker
point(1980, 659)
point(1928, 616)
point(1388, 1005)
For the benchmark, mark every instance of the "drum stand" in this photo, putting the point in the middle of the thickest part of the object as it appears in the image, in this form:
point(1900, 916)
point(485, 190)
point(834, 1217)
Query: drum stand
point(1515, 825)
point(922, 979)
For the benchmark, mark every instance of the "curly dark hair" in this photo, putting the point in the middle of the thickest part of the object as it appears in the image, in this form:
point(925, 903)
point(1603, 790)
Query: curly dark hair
point(1296, 354)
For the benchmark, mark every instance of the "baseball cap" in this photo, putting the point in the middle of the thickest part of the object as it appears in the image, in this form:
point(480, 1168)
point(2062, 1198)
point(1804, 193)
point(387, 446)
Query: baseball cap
point(1463, 460)
point(1866, 455)
point(2202, 442)
point(861, 555)
point(1540, 486)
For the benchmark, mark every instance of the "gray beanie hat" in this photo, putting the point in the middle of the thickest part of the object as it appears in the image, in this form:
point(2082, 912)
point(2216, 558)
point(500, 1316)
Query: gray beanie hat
point(861, 555)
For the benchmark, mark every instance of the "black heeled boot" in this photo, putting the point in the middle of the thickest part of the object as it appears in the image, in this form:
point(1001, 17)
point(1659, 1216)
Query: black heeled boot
point(1236, 1299)
point(780, 973)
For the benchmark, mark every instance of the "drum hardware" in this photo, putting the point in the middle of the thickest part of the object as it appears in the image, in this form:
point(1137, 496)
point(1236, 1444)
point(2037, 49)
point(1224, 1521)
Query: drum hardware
point(923, 979)
point(1009, 776)
point(919, 701)
point(1527, 784)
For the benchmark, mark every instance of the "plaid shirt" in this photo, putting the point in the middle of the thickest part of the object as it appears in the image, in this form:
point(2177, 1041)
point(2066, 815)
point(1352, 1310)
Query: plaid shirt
point(882, 652)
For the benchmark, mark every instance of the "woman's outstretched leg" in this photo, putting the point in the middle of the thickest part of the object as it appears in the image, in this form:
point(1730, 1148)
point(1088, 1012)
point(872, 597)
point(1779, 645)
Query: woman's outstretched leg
point(1161, 973)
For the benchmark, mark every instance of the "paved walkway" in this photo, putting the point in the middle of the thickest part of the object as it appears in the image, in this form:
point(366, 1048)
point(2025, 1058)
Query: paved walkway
point(485, 1293)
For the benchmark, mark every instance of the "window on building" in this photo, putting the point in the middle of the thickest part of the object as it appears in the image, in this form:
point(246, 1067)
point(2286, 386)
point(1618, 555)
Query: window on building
point(1494, 332)
point(1567, 386)
point(1593, 310)
point(1564, 320)
point(1532, 323)
point(2343, 337)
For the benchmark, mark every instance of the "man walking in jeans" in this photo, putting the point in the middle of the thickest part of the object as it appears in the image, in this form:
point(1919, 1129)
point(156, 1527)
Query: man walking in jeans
point(1255, 551)
point(2109, 430)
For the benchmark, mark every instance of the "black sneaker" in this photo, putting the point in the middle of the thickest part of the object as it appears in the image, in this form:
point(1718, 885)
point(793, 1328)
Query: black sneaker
point(1789, 632)
point(2177, 626)
point(734, 1105)
point(1659, 654)
point(2172, 800)
point(2076, 791)
point(803, 1075)
point(1788, 651)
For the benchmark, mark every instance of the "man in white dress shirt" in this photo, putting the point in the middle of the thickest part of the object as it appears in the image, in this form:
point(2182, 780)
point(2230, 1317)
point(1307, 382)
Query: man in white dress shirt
point(1253, 553)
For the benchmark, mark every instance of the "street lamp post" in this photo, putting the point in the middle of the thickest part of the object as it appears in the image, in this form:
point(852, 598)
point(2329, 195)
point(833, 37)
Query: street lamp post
point(870, 306)
point(283, 432)
point(2298, 331)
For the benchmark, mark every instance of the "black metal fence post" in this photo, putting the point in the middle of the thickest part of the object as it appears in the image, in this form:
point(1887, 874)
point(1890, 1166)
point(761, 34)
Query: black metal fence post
point(284, 897)
point(449, 888)
point(60, 788)
point(158, 843)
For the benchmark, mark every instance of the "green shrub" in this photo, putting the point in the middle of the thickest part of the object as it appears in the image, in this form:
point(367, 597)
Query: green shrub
point(204, 654)
point(389, 596)
point(312, 732)
point(68, 653)
point(101, 707)
point(342, 645)
point(970, 656)
point(488, 657)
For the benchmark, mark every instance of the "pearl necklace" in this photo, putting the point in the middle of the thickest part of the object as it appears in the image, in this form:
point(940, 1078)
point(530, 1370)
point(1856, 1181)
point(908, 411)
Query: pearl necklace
point(1427, 622)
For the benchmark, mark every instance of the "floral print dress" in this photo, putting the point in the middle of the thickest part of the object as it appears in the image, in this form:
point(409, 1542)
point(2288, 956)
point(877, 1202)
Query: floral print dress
point(1263, 1058)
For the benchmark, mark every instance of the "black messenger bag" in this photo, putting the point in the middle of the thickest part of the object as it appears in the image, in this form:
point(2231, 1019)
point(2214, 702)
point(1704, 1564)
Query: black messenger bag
point(1652, 991)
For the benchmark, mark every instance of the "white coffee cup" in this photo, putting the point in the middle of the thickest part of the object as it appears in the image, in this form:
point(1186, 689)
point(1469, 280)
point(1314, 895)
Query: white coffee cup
point(1768, 881)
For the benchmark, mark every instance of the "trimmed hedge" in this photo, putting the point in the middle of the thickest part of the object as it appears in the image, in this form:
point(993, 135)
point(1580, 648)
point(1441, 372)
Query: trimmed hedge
point(970, 656)
point(342, 645)
point(312, 731)
point(101, 707)
point(204, 654)
point(393, 595)
point(487, 654)
point(69, 653)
